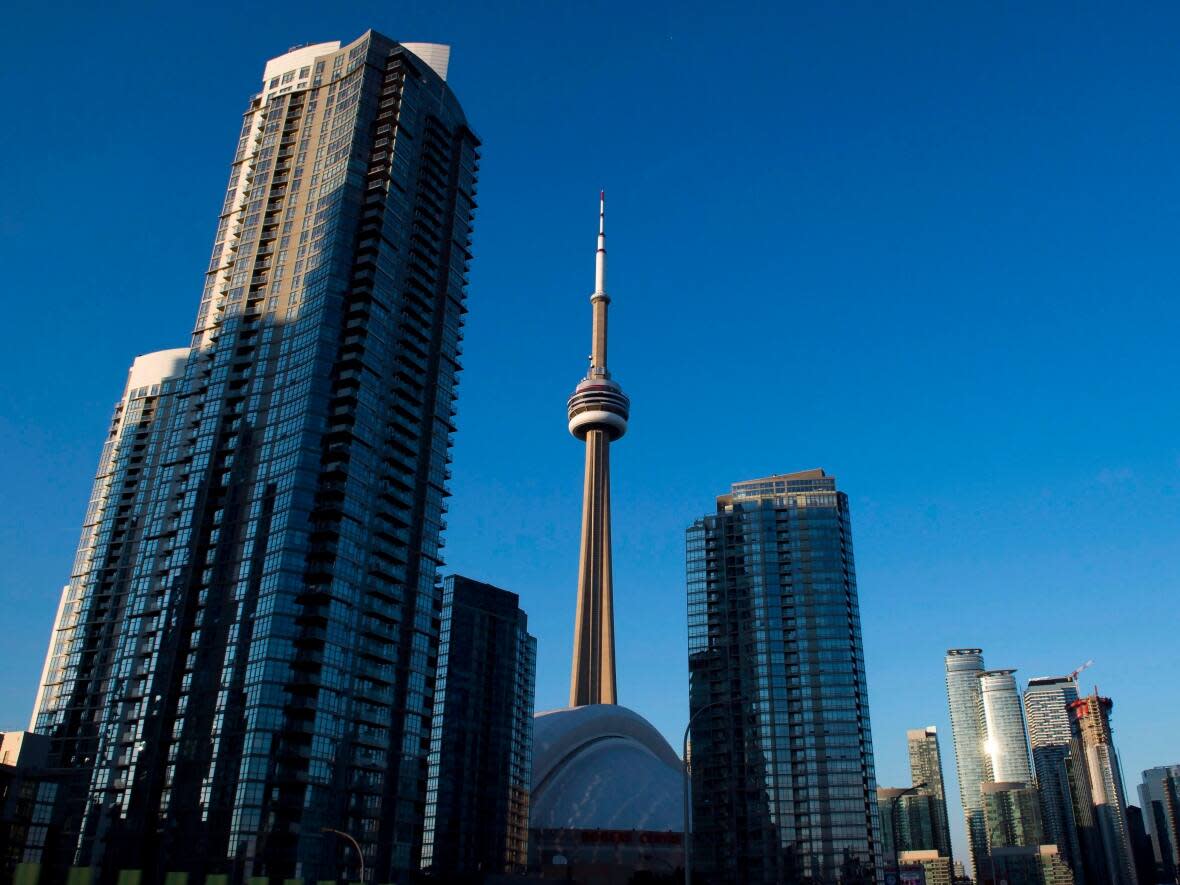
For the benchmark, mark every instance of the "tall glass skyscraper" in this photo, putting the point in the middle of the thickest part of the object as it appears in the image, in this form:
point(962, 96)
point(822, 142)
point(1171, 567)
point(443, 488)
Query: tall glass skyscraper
point(964, 666)
point(784, 788)
point(1005, 738)
point(926, 769)
point(481, 747)
point(1047, 711)
point(246, 649)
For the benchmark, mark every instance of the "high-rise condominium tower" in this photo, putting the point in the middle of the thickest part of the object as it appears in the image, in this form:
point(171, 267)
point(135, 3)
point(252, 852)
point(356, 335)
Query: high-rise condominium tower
point(477, 797)
point(1046, 709)
point(964, 666)
point(1097, 762)
point(926, 770)
point(783, 785)
point(1005, 739)
point(245, 651)
point(598, 412)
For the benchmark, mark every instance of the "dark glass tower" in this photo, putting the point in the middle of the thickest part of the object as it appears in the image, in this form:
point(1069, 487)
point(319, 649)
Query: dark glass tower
point(926, 776)
point(481, 760)
point(782, 755)
point(1159, 794)
point(246, 649)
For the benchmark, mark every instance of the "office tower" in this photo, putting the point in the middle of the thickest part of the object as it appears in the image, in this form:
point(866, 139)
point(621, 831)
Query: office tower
point(607, 790)
point(477, 794)
point(1012, 815)
point(246, 652)
point(1159, 796)
point(909, 821)
point(1097, 763)
point(1005, 739)
point(926, 773)
point(1046, 708)
point(598, 412)
point(783, 787)
point(964, 666)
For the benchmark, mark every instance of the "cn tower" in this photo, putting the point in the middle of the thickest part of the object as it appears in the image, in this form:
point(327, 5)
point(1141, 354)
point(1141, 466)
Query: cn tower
point(598, 412)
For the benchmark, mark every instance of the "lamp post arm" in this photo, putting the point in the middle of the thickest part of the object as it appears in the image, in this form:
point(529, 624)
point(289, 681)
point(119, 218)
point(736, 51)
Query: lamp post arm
point(356, 845)
point(688, 792)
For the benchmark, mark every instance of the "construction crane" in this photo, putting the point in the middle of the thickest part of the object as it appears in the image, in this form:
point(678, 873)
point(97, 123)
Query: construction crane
point(1074, 675)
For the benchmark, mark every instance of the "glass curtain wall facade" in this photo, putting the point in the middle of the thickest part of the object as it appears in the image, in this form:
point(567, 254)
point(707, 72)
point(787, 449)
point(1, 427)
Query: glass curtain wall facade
point(783, 785)
point(1012, 813)
point(964, 666)
point(248, 643)
point(1005, 738)
point(481, 759)
point(926, 768)
point(909, 821)
point(1046, 709)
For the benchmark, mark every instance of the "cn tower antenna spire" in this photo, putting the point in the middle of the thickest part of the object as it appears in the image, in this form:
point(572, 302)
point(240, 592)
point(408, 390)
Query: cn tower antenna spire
point(598, 413)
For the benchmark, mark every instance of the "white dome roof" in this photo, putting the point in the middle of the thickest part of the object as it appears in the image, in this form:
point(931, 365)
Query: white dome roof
point(603, 767)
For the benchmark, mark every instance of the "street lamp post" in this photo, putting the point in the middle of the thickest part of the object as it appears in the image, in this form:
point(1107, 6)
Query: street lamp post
point(355, 844)
point(688, 794)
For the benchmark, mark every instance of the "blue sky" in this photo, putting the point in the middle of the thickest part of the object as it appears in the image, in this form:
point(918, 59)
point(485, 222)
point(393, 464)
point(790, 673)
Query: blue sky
point(928, 247)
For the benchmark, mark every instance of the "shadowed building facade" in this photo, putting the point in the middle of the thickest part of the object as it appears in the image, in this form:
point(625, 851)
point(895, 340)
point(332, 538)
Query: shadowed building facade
point(245, 652)
point(1098, 780)
point(1047, 711)
point(477, 794)
point(1159, 796)
point(783, 784)
point(926, 769)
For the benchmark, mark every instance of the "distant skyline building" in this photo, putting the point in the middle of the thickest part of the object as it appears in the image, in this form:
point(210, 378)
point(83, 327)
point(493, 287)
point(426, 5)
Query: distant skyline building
point(245, 652)
point(1029, 865)
point(1012, 815)
point(481, 763)
point(935, 868)
point(1005, 737)
point(909, 821)
point(1146, 867)
point(1096, 760)
point(926, 768)
point(964, 667)
point(1159, 799)
point(598, 412)
point(783, 782)
point(1050, 731)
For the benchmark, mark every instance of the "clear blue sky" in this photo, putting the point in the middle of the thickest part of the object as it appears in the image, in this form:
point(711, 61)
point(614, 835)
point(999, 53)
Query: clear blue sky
point(928, 247)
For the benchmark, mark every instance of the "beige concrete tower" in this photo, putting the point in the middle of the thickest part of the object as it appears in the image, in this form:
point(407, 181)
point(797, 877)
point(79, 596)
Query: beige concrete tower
point(598, 413)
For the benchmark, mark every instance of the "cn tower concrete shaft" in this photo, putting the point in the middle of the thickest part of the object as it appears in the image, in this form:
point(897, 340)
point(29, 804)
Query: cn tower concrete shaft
point(598, 413)
point(593, 676)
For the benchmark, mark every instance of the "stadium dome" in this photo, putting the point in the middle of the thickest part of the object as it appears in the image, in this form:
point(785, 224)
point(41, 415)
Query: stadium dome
point(603, 767)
